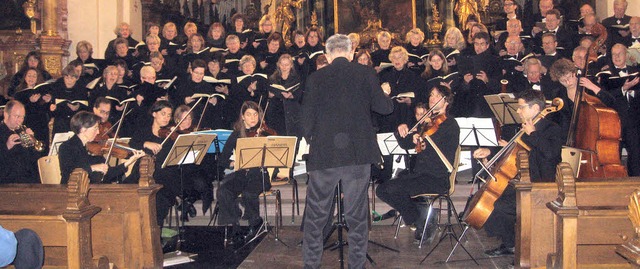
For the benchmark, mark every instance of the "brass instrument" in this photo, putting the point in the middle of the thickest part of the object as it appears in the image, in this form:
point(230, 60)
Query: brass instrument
point(28, 140)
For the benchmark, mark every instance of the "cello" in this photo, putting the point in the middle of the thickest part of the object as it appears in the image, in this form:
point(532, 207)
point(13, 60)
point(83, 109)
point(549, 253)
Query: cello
point(503, 169)
point(595, 129)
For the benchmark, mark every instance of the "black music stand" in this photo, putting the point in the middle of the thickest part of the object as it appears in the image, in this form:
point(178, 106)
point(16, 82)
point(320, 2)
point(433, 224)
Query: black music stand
point(263, 153)
point(339, 225)
point(187, 149)
point(505, 107)
point(477, 132)
point(216, 148)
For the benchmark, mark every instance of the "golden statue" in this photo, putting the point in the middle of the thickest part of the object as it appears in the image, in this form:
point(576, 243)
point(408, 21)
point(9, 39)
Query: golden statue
point(465, 8)
point(285, 17)
point(435, 26)
point(30, 11)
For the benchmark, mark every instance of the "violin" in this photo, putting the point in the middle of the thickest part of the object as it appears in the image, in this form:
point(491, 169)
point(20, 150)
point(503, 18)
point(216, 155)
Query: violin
point(431, 128)
point(105, 131)
point(101, 148)
point(165, 132)
point(263, 130)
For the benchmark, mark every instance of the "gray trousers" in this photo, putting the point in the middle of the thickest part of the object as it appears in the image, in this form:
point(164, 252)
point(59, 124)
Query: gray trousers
point(320, 195)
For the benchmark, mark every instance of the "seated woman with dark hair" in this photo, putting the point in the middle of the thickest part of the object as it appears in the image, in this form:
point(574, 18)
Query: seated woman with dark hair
point(73, 153)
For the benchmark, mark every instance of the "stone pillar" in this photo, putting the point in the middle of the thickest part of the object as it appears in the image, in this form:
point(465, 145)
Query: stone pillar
point(53, 47)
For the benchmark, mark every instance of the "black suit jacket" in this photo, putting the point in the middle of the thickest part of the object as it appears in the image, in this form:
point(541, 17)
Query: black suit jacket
point(336, 113)
point(546, 146)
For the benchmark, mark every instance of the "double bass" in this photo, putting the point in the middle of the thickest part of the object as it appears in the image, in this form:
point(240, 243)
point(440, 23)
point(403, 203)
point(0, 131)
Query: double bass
point(503, 168)
point(595, 129)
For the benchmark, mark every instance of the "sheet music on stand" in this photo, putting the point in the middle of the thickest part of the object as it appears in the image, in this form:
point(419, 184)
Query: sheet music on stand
point(188, 149)
point(504, 106)
point(223, 136)
point(478, 132)
point(266, 152)
point(388, 145)
point(57, 140)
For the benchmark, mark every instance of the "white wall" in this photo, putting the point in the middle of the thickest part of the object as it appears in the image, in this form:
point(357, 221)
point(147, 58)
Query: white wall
point(95, 20)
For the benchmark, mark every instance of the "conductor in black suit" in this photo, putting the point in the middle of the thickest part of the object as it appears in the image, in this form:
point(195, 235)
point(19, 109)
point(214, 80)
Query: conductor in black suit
point(337, 123)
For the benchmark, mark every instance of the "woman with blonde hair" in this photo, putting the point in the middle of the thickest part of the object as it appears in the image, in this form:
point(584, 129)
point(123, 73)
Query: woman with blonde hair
point(123, 30)
point(265, 29)
point(454, 44)
point(416, 50)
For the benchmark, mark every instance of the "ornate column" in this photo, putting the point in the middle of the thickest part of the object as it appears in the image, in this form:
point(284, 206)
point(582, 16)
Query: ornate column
point(53, 46)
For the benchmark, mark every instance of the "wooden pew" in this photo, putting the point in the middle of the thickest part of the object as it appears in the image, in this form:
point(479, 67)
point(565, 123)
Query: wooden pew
point(536, 234)
point(126, 230)
point(534, 222)
point(591, 220)
point(60, 214)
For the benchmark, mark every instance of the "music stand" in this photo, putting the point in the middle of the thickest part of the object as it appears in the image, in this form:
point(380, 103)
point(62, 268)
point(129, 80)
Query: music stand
point(57, 140)
point(265, 152)
point(505, 107)
point(477, 132)
point(187, 149)
point(388, 145)
point(216, 148)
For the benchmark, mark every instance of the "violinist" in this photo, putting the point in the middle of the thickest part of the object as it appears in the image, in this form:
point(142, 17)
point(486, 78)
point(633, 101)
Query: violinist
point(194, 185)
point(545, 142)
point(247, 182)
point(430, 174)
point(102, 109)
point(148, 138)
point(73, 154)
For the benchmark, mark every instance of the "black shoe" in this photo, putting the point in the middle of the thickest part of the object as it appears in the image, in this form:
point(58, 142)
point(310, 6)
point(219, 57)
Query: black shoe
point(390, 214)
point(207, 200)
point(253, 228)
point(502, 250)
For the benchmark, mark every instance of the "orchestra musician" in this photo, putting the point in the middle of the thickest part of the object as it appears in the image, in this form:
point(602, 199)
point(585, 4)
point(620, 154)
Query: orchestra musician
point(73, 153)
point(565, 72)
point(18, 164)
point(193, 181)
point(148, 138)
point(342, 148)
point(429, 175)
point(545, 142)
point(248, 182)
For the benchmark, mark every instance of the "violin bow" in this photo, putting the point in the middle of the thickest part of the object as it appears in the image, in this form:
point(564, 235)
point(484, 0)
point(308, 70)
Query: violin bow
point(118, 122)
point(181, 120)
point(425, 116)
point(202, 114)
point(115, 138)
